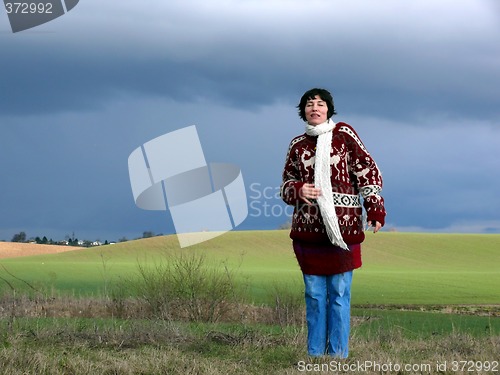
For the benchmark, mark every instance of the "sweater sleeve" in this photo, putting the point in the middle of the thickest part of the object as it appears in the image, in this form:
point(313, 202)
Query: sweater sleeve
point(291, 179)
point(368, 176)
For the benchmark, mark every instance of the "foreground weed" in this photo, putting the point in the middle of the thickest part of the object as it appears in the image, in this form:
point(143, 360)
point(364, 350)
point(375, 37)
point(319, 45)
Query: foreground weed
point(186, 287)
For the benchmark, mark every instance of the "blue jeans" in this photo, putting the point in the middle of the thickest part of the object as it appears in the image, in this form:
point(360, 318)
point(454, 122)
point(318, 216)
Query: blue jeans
point(328, 314)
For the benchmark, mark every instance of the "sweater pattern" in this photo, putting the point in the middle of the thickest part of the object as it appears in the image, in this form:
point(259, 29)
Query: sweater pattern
point(354, 175)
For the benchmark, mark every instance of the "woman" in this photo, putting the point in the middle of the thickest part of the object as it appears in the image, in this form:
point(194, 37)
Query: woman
point(326, 171)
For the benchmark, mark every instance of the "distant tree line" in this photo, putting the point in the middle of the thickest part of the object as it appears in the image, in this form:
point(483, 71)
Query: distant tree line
point(71, 241)
point(19, 237)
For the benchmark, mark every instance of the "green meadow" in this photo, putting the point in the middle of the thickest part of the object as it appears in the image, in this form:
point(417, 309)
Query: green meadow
point(398, 268)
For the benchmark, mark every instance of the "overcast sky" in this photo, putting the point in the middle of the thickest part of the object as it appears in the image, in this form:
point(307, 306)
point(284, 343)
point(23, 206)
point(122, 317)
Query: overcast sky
point(419, 81)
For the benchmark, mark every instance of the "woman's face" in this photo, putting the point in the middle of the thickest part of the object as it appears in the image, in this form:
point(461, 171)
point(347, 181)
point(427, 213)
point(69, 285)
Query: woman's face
point(316, 111)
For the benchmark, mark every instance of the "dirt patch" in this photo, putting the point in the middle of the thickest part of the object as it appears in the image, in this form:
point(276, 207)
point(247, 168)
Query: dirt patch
point(17, 249)
point(477, 310)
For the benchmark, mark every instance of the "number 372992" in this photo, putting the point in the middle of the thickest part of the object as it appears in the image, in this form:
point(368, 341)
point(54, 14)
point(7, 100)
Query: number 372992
point(28, 8)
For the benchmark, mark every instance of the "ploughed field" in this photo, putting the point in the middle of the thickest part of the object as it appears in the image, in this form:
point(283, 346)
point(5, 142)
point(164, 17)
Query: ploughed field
point(19, 249)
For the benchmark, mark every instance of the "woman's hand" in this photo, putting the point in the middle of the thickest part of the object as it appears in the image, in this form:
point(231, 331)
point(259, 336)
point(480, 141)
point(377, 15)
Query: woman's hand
point(375, 225)
point(308, 191)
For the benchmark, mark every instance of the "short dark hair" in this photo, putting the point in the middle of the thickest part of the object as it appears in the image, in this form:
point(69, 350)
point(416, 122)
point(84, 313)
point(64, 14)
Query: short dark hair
point(311, 94)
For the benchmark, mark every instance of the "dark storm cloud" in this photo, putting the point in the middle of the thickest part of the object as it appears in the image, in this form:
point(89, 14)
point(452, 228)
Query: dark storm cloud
point(392, 63)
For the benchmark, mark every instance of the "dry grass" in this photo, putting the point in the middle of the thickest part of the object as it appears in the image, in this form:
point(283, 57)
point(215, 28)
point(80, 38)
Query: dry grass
point(159, 347)
point(133, 308)
point(66, 335)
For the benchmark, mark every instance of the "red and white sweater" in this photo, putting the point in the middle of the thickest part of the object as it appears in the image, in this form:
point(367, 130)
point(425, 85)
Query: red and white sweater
point(354, 174)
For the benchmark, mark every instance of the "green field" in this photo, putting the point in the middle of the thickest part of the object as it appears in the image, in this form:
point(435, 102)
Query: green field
point(398, 268)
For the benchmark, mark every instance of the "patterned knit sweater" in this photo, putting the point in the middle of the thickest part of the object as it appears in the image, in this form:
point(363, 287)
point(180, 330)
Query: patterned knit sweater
point(354, 173)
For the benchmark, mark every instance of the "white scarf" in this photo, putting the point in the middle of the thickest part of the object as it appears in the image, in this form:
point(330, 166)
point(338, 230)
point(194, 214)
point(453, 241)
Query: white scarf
point(322, 179)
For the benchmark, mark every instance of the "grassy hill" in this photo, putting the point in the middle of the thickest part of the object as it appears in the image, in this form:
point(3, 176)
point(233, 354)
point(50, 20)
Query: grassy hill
point(399, 268)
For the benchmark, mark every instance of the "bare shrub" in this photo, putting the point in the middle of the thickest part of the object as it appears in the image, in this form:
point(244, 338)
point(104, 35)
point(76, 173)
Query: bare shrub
point(288, 304)
point(187, 288)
